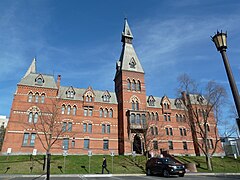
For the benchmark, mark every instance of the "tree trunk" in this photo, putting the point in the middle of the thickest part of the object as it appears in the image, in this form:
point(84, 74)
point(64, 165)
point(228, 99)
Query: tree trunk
point(209, 163)
point(48, 165)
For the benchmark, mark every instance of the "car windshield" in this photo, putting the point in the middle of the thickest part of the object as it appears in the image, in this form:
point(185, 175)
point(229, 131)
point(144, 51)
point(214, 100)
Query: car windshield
point(168, 161)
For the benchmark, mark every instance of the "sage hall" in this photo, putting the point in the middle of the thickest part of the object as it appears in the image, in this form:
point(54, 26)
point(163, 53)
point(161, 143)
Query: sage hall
point(122, 122)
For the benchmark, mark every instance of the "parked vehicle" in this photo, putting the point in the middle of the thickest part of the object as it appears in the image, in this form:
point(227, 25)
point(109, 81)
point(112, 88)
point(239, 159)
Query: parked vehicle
point(165, 167)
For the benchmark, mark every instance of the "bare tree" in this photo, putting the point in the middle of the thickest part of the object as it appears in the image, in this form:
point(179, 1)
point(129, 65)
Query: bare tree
point(48, 126)
point(203, 114)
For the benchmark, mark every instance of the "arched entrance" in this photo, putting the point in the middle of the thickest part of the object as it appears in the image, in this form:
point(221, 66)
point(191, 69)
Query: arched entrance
point(137, 145)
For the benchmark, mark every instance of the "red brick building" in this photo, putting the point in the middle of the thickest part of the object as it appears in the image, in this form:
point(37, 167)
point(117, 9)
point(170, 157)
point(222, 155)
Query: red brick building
point(123, 121)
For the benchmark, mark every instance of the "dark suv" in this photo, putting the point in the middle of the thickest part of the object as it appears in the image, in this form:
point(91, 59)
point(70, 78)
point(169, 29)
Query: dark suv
point(165, 167)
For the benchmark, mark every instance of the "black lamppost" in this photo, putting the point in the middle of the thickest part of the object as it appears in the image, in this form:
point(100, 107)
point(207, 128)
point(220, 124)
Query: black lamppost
point(220, 40)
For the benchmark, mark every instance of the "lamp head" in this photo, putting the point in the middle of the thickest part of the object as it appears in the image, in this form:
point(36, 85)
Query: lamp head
point(220, 40)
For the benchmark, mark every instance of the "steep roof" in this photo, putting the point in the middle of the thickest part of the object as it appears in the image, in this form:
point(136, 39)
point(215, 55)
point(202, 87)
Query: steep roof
point(128, 59)
point(79, 92)
point(30, 80)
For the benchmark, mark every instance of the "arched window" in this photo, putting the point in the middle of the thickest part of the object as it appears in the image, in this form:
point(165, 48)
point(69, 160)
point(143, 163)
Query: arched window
point(133, 105)
point(143, 119)
point(156, 117)
point(105, 112)
point(128, 84)
point(63, 109)
point(90, 98)
point(152, 130)
point(132, 118)
point(177, 118)
point(74, 110)
point(111, 113)
point(134, 85)
point(137, 105)
point(68, 109)
point(87, 98)
point(138, 85)
point(156, 130)
point(152, 116)
point(36, 97)
point(30, 96)
point(138, 119)
point(35, 118)
point(43, 98)
point(30, 117)
point(101, 112)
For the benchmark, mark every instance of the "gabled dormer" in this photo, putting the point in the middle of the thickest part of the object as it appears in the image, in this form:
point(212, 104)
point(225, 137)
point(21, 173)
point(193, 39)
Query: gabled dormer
point(166, 104)
point(106, 96)
point(88, 95)
point(151, 101)
point(178, 103)
point(70, 93)
point(39, 80)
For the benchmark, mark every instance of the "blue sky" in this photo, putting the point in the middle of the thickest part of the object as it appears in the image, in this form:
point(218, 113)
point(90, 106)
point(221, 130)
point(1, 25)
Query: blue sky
point(81, 40)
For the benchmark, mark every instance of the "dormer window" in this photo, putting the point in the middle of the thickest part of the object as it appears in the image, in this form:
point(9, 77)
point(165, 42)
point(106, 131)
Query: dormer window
point(132, 63)
point(200, 99)
point(151, 101)
point(106, 96)
point(70, 92)
point(39, 80)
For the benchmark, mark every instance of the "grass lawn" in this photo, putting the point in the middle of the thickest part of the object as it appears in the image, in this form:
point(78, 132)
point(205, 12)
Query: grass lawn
point(79, 164)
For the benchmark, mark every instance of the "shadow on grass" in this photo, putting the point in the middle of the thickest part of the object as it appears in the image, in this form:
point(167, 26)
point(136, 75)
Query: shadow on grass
point(134, 162)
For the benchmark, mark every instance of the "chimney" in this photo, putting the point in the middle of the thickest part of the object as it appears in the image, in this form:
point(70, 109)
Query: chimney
point(58, 81)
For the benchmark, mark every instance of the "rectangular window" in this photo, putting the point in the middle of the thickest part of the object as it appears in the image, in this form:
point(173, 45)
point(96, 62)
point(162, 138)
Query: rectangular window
point(185, 145)
point(155, 145)
point(65, 143)
point(184, 132)
point(86, 143)
point(90, 112)
point(165, 117)
point(84, 127)
point(64, 126)
point(105, 144)
point(181, 131)
point(170, 144)
point(32, 140)
point(103, 128)
point(69, 126)
point(169, 118)
point(167, 133)
point(108, 129)
point(171, 132)
point(73, 143)
point(85, 112)
point(25, 139)
point(90, 128)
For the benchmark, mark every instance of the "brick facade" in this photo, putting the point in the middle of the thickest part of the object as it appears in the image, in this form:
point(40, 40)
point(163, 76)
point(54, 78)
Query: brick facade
point(109, 121)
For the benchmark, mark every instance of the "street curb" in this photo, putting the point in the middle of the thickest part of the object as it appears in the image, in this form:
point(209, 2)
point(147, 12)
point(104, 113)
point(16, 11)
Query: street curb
point(112, 175)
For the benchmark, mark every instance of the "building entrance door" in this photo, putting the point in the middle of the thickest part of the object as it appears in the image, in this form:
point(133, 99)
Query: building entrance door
point(137, 145)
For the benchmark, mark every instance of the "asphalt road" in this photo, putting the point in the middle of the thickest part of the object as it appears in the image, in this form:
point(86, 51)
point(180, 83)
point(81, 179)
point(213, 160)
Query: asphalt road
point(106, 177)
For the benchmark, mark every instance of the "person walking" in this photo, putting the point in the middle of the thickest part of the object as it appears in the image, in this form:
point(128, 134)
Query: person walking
point(104, 165)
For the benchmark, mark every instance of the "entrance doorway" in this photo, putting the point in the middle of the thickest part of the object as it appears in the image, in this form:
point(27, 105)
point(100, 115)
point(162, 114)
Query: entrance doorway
point(137, 145)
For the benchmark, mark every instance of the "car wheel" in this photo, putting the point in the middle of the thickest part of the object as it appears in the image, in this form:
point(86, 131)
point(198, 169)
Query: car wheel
point(149, 173)
point(165, 173)
point(181, 175)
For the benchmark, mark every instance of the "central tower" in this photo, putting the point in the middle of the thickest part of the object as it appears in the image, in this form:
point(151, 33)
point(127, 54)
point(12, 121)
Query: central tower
point(131, 96)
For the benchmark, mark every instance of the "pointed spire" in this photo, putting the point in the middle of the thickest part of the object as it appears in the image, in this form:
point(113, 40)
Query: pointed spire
point(126, 34)
point(128, 59)
point(32, 68)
